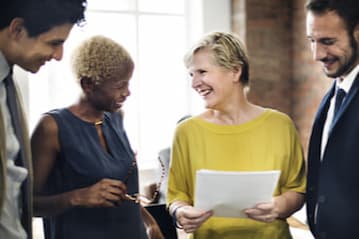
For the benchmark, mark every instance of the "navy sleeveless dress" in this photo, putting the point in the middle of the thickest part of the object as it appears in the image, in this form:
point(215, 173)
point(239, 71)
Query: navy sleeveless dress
point(82, 162)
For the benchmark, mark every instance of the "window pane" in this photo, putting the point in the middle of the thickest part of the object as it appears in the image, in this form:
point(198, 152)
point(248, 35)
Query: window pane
point(119, 27)
point(163, 84)
point(162, 6)
point(113, 5)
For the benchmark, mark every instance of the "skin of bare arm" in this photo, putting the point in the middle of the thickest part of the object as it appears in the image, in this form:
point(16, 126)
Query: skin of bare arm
point(152, 229)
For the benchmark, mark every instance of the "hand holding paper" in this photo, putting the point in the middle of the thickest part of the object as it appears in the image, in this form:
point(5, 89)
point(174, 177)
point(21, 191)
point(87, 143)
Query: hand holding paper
point(190, 218)
point(229, 193)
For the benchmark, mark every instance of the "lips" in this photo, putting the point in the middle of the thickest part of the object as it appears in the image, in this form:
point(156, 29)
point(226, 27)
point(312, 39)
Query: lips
point(119, 103)
point(327, 63)
point(204, 92)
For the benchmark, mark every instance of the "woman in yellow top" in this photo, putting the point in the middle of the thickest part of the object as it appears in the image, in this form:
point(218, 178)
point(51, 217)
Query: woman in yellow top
point(233, 134)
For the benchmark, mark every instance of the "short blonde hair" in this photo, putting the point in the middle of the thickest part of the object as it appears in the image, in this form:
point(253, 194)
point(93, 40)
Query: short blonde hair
point(228, 51)
point(100, 58)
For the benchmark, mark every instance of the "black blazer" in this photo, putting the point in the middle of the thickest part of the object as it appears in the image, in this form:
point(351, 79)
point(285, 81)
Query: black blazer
point(333, 184)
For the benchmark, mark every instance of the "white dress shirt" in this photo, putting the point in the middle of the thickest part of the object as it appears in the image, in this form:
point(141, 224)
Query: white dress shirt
point(10, 226)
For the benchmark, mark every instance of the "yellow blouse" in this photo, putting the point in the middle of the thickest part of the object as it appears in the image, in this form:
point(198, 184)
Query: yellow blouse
point(268, 142)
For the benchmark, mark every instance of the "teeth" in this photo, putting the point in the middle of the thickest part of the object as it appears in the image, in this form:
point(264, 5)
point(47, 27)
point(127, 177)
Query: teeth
point(204, 92)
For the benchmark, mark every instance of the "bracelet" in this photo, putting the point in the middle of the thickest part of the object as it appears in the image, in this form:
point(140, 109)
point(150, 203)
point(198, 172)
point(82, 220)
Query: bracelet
point(174, 218)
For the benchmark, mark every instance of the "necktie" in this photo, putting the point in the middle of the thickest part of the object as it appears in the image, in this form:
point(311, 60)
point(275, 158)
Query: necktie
point(25, 202)
point(338, 100)
point(13, 108)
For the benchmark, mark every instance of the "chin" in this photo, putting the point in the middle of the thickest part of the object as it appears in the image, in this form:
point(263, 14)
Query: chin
point(32, 69)
point(334, 73)
point(208, 106)
point(331, 73)
point(113, 110)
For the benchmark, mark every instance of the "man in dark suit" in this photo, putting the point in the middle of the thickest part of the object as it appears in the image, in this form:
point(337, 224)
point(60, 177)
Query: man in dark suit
point(333, 157)
point(32, 32)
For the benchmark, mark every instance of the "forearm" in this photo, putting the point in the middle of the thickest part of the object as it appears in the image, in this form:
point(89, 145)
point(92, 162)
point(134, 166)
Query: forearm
point(175, 205)
point(105, 193)
point(152, 228)
point(288, 203)
point(147, 217)
point(51, 205)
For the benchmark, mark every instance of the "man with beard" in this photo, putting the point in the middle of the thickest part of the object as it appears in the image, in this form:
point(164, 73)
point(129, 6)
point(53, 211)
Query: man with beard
point(333, 162)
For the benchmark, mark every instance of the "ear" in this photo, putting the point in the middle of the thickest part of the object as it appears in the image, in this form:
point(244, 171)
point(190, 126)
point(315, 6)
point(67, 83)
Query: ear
point(356, 33)
point(86, 84)
point(17, 28)
point(237, 74)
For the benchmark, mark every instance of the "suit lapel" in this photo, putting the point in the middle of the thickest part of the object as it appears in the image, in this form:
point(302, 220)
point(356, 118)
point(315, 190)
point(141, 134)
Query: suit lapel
point(351, 94)
point(322, 113)
point(317, 132)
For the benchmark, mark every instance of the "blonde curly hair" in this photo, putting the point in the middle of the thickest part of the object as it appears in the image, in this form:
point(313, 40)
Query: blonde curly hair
point(100, 58)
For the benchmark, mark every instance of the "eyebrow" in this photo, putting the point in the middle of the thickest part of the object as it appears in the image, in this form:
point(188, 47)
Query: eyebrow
point(56, 41)
point(321, 38)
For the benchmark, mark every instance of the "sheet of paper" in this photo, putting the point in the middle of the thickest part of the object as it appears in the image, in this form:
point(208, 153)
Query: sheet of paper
point(229, 193)
point(298, 233)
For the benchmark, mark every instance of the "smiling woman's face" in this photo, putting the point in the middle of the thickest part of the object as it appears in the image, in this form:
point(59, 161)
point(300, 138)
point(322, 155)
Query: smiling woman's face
point(110, 94)
point(212, 82)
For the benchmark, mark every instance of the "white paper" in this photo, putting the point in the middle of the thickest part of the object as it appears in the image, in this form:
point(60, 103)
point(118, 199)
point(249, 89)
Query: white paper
point(229, 193)
point(298, 233)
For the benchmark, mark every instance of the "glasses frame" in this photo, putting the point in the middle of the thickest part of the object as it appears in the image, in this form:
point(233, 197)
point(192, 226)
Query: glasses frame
point(140, 198)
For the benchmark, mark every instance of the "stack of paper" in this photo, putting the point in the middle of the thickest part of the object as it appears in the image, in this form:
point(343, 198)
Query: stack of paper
point(229, 193)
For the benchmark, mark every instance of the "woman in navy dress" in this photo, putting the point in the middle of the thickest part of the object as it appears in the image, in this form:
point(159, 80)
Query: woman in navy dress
point(84, 167)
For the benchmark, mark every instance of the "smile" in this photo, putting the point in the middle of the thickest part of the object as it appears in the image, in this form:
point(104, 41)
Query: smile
point(327, 63)
point(204, 92)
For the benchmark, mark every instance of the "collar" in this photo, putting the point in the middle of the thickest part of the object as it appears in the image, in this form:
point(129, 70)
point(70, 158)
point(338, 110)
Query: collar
point(348, 80)
point(4, 67)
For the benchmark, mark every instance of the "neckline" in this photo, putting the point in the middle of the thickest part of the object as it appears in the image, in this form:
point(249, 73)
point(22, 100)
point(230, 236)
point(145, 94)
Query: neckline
point(97, 123)
point(229, 129)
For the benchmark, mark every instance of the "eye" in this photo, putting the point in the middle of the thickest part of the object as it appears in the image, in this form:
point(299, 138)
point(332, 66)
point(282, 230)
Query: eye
point(56, 43)
point(122, 86)
point(328, 41)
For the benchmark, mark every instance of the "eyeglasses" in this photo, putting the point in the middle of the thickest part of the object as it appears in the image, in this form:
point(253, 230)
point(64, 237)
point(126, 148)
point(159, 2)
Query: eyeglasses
point(139, 198)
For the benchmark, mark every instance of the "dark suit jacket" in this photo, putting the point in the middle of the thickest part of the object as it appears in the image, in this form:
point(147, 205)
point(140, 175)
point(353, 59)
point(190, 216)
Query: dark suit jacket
point(333, 184)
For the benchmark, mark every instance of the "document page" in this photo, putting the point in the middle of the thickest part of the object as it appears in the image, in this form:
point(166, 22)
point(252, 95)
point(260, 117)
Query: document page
point(229, 193)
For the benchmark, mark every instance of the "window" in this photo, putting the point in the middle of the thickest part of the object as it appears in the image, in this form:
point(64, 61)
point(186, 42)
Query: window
point(157, 34)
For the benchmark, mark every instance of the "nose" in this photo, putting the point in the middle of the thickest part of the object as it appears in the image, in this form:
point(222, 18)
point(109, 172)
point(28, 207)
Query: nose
point(196, 81)
point(319, 51)
point(127, 92)
point(58, 53)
